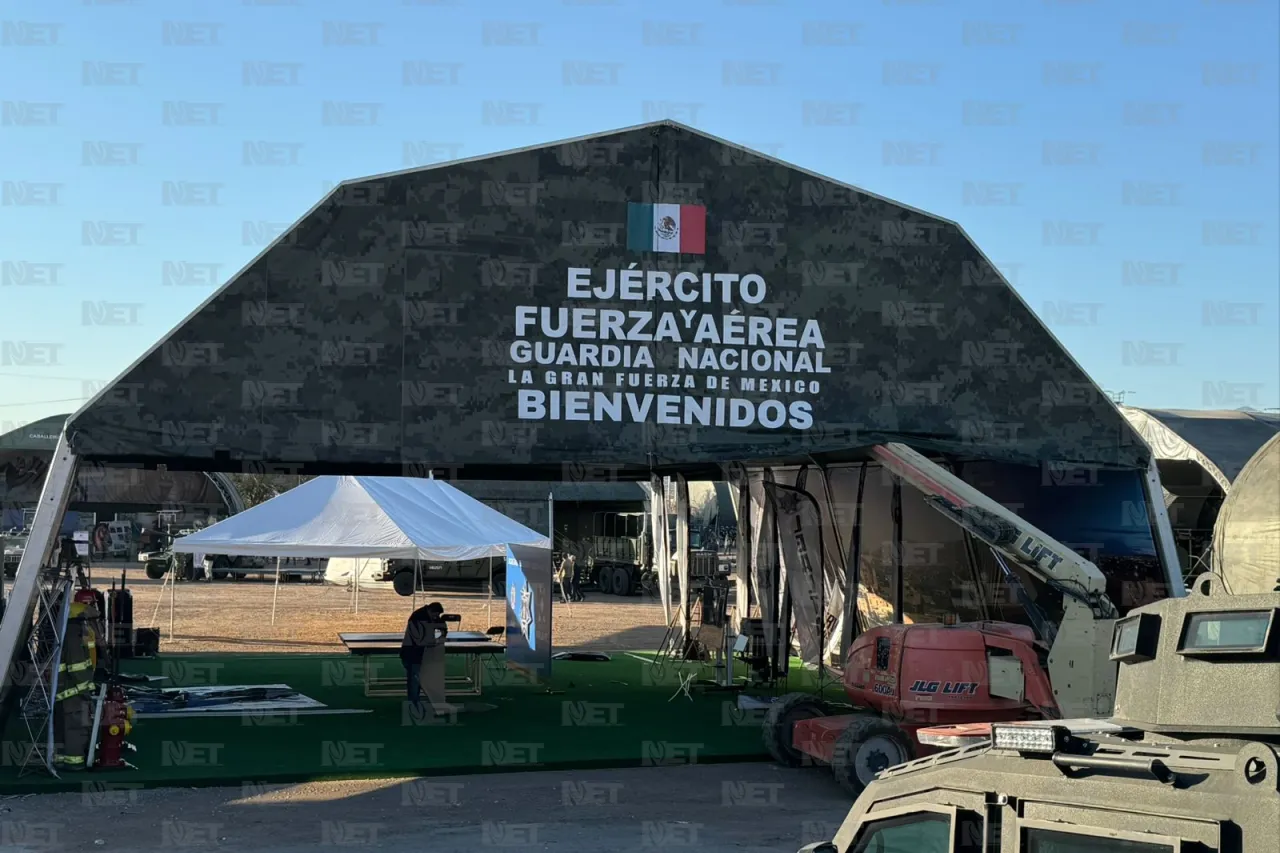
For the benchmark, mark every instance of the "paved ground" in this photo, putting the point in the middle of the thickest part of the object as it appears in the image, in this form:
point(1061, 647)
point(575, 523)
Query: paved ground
point(747, 808)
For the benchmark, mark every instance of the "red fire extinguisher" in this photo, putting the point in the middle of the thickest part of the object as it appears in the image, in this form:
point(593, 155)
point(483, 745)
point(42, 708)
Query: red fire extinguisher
point(117, 723)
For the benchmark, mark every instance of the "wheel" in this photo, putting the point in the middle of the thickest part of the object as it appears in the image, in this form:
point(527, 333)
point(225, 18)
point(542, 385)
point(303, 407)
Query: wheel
point(780, 721)
point(402, 583)
point(869, 745)
point(604, 579)
point(623, 580)
point(155, 570)
point(498, 584)
point(220, 566)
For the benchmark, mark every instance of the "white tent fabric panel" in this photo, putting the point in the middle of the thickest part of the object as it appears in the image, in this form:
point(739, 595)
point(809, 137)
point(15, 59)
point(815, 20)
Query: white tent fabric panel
point(1246, 539)
point(387, 517)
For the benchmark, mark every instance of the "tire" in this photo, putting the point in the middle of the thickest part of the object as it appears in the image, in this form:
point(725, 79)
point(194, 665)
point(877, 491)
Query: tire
point(155, 571)
point(870, 744)
point(623, 580)
point(780, 721)
point(220, 566)
point(604, 580)
point(403, 583)
point(498, 585)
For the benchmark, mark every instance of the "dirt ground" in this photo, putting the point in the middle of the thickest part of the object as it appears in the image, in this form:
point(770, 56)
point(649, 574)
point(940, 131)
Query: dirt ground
point(235, 615)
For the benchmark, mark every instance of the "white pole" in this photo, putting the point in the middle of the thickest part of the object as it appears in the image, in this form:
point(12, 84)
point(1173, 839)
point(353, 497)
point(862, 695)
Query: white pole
point(417, 580)
point(489, 601)
point(275, 593)
point(357, 592)
point(173, 582)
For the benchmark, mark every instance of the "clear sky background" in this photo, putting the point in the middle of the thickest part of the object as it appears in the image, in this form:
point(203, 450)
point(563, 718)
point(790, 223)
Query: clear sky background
point(1151, 126)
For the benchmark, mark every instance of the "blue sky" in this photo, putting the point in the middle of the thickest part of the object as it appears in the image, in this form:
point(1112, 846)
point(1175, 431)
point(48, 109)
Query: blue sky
point(1175, 101)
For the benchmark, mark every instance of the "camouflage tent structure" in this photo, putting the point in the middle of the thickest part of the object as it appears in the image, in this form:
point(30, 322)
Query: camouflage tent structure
point(1199, 455)
point(642, 302)
point(103, 489)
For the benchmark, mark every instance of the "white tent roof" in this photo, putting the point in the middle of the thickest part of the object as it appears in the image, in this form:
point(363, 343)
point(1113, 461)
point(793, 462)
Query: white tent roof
point(404, 517)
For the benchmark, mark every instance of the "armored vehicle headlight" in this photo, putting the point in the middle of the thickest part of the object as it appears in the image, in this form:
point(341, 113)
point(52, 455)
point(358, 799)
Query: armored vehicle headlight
point(1233, 632)
point(1044, 740)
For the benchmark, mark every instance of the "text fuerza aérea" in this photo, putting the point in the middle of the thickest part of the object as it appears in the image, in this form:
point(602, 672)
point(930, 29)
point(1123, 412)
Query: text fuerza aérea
point(732, 368)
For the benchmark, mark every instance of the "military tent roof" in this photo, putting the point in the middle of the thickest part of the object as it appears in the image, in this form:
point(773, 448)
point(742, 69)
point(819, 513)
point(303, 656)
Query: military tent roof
point(397, 326)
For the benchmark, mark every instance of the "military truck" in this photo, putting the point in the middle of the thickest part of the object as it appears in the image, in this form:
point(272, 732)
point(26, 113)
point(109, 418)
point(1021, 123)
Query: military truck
point(1189, 762)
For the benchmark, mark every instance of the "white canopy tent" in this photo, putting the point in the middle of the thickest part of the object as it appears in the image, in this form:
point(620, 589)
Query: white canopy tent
point(387, 517)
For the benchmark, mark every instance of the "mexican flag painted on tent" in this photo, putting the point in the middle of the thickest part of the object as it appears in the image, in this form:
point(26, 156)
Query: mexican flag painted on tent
point(678, 228)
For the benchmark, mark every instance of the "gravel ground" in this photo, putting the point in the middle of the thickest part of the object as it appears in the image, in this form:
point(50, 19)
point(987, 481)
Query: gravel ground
point(740, 807)
point(235, 616)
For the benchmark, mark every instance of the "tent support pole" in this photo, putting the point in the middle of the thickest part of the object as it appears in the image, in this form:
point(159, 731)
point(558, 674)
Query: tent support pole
point(356, 593)
point(275, 593)
point(488, 607)
point(173, 583)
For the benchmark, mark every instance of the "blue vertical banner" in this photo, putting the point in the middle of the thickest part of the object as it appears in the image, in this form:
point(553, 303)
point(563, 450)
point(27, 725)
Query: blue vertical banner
point(529, 609)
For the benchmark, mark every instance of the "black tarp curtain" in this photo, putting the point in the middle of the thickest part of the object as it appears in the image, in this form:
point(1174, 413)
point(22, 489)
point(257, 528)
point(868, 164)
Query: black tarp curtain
point(817, 535)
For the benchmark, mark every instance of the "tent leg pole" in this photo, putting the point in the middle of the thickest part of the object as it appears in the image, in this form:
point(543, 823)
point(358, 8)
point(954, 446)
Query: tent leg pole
point(173, 582)
point(275, 594)
point(489, 603)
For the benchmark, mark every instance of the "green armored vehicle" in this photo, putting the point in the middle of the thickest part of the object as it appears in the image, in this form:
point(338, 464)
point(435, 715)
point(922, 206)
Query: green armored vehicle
point(1188, 763)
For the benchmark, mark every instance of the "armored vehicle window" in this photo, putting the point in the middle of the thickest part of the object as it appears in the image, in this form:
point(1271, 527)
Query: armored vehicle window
point(1047, 841)
point(917, 833)
point(1244, 631)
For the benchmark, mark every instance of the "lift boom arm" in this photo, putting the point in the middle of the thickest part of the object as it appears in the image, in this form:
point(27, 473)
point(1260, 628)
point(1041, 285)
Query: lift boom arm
point(1079, 660)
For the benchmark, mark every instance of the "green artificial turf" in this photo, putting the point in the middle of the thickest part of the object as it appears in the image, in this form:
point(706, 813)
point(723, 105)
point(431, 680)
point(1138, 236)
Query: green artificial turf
point(618, 713)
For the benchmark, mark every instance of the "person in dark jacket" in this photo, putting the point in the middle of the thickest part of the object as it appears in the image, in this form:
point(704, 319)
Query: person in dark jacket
point(422, 653)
